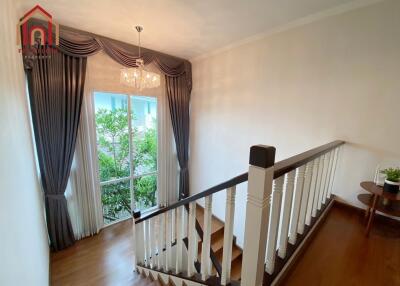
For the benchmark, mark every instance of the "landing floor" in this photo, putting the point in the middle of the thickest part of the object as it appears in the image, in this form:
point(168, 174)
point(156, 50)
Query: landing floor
point(339, 254)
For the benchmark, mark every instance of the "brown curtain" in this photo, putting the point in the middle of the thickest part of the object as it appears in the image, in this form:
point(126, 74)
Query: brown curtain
point(55, 82)
point(178, 99)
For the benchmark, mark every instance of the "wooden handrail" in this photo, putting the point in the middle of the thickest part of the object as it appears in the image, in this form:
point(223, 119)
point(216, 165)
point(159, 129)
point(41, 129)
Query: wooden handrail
point(280, 168)
point(228, 184)
point(292, 163)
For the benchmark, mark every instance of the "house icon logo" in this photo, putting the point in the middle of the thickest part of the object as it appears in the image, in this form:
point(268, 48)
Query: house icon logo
point(30, 34)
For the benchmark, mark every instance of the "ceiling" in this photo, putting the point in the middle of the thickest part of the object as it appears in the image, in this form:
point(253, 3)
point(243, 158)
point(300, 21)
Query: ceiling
point(184, 28)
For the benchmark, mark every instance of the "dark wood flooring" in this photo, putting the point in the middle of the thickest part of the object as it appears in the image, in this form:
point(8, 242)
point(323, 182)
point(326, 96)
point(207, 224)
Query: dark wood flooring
point(339, 254)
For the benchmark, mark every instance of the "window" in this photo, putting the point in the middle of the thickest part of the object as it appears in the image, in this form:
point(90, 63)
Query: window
point(127, 138)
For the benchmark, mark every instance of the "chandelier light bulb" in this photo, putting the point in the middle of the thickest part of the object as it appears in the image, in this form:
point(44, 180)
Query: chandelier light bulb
point(138, 77)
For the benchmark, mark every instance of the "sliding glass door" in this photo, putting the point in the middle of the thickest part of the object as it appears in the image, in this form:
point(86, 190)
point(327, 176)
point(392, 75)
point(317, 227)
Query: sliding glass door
point(127, 138)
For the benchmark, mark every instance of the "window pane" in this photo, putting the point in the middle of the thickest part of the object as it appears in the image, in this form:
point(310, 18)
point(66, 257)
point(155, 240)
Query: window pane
point(116, 199)
point(144, 128)
point(145, 191)
point(112, 135)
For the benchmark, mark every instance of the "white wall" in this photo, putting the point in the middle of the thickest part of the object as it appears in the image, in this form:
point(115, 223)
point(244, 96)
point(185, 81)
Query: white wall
point(336, 78)
point(24, 253)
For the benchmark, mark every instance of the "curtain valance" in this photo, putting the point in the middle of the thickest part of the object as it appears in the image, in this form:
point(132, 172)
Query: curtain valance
point(79, 43)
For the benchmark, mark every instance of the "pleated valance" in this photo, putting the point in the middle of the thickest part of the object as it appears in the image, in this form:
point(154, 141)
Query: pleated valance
point(79, 43)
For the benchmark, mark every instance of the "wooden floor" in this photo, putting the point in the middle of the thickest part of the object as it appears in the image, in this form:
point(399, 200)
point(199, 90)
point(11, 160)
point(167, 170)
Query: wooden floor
point(104, 259)
point(339, 254)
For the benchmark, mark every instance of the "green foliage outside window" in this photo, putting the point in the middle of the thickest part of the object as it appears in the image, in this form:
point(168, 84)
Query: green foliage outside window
point(113, 153)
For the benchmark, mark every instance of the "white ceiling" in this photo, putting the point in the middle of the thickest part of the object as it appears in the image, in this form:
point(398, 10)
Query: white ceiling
point(184, 28)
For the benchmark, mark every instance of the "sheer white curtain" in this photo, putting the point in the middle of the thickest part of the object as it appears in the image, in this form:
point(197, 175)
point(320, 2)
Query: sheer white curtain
point(83, 192)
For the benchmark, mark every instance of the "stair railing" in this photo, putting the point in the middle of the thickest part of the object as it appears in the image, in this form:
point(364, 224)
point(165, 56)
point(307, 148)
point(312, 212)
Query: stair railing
point(284, 201)
point(175, 226)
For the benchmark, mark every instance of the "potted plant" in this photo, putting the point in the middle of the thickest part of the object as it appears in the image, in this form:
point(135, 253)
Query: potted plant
point(392, 181)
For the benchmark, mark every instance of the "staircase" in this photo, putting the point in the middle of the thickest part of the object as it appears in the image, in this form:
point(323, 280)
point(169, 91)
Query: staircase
point(217, 244)
point(185, 244)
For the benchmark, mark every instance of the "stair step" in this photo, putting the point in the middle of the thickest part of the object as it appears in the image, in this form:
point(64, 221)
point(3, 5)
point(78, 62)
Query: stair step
point(217, 244)
point(236, 268)
point(216, 224)
point(236, 252)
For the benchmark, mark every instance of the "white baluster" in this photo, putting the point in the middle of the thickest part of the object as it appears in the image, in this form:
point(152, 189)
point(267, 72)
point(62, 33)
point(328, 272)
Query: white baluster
point(139, 242)
point(161, 241)
point(274, 224)
point(135, 237)
point(153, 237)
point(173, 223)
point(328, 176)
point(286, 210)
point(261, 173)
point(168, 237)
point(298, 193)
point(336, 156)
point(179, 238)
point(205, 249)
point(192, 235)
point(323, 180)
point(228, 235)
point(318, 186)
point(311, 198)
point(305, 196)
point(147, 242)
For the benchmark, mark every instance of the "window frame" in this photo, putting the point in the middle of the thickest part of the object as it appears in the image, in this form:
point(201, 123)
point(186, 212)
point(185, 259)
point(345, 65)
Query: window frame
point(132, 176)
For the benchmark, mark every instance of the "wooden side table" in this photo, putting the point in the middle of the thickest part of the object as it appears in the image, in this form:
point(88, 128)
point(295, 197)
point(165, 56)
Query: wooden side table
point(374, 202)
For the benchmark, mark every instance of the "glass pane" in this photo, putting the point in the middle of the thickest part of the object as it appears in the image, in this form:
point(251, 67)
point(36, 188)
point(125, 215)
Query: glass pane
point(144, 128)
point(116, 200)
point(145, 191)
point(112, 135)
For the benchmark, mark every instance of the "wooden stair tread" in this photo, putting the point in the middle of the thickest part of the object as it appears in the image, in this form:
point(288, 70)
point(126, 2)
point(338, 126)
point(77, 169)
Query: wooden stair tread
point(216, 224)
point(217, 244)
point(236, 269)
point(236, 252)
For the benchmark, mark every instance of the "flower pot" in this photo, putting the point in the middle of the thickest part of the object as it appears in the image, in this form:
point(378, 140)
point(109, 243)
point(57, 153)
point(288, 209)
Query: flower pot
point(391, 187)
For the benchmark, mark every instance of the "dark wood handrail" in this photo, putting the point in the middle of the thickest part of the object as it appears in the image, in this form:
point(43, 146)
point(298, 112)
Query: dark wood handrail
point(225, 185)
point(292, 163)
point(280, 168)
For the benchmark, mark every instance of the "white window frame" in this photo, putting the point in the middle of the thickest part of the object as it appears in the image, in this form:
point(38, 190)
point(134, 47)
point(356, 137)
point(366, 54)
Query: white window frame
point(132, 177)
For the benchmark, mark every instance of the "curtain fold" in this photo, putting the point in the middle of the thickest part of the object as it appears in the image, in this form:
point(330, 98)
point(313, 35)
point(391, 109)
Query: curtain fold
point(55, 83)
point(178, 95)
point(83, 191)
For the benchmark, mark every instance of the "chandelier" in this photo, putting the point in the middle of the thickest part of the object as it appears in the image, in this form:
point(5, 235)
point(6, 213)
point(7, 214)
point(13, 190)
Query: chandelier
point(139, 77)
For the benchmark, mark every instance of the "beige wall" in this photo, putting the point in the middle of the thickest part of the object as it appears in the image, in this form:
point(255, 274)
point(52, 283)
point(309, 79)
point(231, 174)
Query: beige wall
point(336, 78)
point(24, 253)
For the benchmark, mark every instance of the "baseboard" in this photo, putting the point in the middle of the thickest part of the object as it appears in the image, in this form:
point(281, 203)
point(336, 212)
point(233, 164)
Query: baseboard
point(378, 215)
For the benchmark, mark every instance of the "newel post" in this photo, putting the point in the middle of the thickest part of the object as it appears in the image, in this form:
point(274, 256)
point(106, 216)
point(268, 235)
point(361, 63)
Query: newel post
point(261, 172)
